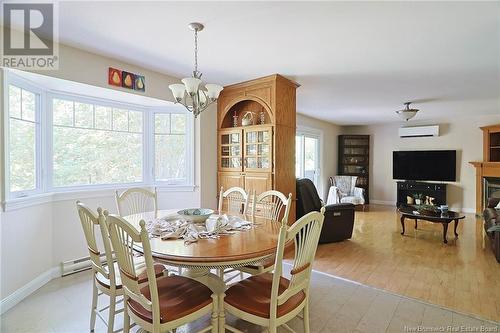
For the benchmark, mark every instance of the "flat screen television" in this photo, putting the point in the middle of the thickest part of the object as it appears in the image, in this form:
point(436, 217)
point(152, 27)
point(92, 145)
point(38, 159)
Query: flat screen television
point(438, 165)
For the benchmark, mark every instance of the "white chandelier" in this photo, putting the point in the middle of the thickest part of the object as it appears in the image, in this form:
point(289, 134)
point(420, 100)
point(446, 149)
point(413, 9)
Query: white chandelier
point(407, 113)
point(199, 99)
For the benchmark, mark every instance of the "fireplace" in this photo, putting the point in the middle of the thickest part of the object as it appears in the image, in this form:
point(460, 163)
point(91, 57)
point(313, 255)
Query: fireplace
point(491, 188)
point(487, 183)
point(488, 170)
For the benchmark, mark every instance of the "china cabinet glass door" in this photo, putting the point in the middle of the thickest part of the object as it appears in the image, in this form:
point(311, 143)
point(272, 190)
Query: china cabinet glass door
point(258, 149)
point(230, 150)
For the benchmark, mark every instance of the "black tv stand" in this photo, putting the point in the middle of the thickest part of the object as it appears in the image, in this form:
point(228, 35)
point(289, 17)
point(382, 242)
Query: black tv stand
point(411, 187)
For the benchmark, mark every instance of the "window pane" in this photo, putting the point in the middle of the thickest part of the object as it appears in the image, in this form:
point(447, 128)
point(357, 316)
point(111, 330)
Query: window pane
point(88, 156)
point(84, 116)
point(22, 155)
point(162, 123)
point(14, 101)
point(135, 121)
point(310, 158)
point(170, 157)
point(62, 112)
point(120, 120)
point(178, 123)
point(28, 106)
point(98, 149)
point(310, 153)
point(102, 117)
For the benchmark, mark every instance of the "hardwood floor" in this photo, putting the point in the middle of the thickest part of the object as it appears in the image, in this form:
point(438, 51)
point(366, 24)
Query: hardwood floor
point(460, 275)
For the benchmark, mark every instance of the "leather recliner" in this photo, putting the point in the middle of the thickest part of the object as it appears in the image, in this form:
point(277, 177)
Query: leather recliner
point(339, 218)
point(491, 218)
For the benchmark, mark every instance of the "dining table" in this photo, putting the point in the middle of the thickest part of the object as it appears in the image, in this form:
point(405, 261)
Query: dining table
point(198, 259)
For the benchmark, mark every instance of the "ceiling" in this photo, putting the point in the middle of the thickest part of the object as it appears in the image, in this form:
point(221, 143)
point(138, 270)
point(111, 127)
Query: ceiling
point(357, 62)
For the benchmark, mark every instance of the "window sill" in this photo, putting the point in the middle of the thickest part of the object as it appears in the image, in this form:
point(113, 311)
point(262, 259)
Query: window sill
point(39, 199)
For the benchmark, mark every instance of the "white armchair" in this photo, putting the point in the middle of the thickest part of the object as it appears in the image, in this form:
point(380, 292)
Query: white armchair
point(343, 190)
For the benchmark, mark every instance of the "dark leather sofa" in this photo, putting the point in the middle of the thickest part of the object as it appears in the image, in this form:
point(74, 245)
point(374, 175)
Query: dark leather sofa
point(491, 218)
point(339, 218)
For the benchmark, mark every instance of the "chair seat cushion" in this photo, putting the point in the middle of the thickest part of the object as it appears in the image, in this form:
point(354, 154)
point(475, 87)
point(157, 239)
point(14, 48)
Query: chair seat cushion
point(143, 277)
point(262, 265)
point(253, 295)
point(178, 296)
point(353, 200)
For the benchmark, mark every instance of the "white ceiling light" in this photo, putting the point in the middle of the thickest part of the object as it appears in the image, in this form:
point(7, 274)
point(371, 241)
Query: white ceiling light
point(407, 113)
point(199, 99)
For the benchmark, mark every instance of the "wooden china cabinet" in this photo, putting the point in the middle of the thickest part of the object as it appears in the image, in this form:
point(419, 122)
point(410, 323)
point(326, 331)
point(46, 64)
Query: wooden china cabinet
point(261, 155)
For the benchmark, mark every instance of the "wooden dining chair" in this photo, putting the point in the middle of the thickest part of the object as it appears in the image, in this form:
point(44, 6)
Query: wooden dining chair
point(137, 200)
point(106, 277)
point(271, 300)
point(271, 205)
point(164, 303)
point(234, 200)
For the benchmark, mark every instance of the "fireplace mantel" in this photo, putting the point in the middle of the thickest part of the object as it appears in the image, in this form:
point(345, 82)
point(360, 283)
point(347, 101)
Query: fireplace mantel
point(483, 169)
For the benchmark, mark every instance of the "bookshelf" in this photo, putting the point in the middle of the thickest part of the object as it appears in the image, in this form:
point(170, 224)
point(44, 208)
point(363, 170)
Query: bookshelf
point(354, 160)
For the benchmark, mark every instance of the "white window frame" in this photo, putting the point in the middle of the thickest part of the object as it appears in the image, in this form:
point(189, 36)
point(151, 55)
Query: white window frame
point(315, 134)
point(189, 149)
point(44, 146)
point(28, 86)
point(100, 102)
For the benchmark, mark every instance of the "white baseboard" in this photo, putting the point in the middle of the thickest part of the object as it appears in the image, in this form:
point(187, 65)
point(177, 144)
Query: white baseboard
point(30, 287)
point(464, 210)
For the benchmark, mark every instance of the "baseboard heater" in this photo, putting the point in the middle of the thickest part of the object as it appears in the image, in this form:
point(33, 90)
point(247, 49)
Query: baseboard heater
point(78, 265)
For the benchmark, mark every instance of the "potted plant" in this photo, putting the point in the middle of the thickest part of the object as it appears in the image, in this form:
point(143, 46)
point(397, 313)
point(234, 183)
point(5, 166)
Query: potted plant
point(418, 198)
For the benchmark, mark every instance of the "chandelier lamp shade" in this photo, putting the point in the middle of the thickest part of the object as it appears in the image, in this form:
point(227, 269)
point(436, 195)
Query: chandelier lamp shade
point(191, 93)
point(407, 113)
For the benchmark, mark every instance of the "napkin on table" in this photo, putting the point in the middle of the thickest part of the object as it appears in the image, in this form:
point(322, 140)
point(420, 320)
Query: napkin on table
point(177, 228)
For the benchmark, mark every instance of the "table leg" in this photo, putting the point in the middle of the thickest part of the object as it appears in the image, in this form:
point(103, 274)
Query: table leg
point(403, 224)
point(222, 314)
point(218, 287)
point(455, 229)
point(416, 223)
point(445, 231)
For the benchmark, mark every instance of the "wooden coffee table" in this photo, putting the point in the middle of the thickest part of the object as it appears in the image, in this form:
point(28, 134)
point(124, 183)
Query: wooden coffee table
point(410, 212)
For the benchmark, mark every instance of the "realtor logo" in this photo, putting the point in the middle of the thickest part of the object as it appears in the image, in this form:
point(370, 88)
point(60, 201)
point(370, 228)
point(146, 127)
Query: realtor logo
point(29, 36)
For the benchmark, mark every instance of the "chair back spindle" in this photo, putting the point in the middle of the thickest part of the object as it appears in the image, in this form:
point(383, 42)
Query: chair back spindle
point(136, 200)
point(233, 201)
point(272, 205)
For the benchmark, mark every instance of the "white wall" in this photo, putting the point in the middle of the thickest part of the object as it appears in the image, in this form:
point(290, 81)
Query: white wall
point(461, 134)
point(26, 246)
point(35, 239)
point(328, 149)
point(208, 157)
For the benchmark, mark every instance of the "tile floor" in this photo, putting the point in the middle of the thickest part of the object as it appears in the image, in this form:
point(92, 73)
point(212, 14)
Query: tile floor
point(337, 305)
point(460, 275)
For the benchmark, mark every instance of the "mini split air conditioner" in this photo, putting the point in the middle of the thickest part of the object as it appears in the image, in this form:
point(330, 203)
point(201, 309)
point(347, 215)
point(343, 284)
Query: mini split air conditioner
point(419, 131)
